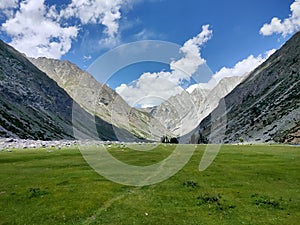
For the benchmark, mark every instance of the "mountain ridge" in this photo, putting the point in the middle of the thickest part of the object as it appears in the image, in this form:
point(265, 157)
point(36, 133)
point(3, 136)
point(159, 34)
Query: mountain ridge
point(265, 107)
point(33, 106)
point(99, 99)
point(41, 97)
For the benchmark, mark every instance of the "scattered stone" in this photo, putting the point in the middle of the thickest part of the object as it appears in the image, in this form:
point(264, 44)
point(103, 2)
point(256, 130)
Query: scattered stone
point(35, 144)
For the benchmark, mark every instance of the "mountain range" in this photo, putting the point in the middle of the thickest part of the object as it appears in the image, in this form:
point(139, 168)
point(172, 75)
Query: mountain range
point(49, 99)
point(100, 100)
point(33, 106)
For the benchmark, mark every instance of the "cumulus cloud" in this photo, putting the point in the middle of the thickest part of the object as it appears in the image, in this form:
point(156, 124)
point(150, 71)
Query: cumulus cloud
point(8, 4)
point(285, 27)
point(185, 67)
point(102, 12)
point(36, 32)
point(160, 86)
point(7, 7)
point(37, 29)
point(241, 68)
point(148, 90)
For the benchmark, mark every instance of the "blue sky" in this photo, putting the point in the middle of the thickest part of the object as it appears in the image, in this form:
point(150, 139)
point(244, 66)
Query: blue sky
point(243, 33)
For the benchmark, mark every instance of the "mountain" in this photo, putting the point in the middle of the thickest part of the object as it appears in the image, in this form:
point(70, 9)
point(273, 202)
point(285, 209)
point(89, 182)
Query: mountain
point(183, 112)
point(64, 102)
point(100, 100)
point(265, 107)
point(33, 106)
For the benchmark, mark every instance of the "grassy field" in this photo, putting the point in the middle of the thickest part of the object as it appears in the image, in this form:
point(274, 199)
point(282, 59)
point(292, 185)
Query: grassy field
point(244, 185)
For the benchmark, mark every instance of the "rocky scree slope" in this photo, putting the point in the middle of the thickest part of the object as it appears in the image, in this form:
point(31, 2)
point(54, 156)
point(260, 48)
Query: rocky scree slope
point(33, 106)
point(265, 107)
point(183, 112)
point(100, 100)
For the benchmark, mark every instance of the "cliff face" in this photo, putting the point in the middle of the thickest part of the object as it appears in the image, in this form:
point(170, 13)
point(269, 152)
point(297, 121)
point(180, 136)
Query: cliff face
point(265, 106)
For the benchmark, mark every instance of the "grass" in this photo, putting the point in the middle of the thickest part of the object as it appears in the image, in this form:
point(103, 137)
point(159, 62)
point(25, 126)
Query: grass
point(244, 185)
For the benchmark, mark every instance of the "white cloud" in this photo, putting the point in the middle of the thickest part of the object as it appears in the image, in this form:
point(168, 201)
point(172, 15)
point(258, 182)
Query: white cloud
point(146, 34)
point(110, 42)
point(37, 29)
point(36, 32)
point(241, 68)
point(8, 4)
point(87, 57)
point(158, 87)
point(185, 67)
point(7, 7)
point(285, 27)
point(148, 90)
point(103, 12)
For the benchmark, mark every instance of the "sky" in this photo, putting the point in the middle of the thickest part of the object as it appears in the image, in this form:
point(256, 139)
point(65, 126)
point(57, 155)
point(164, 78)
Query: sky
point(215, 39)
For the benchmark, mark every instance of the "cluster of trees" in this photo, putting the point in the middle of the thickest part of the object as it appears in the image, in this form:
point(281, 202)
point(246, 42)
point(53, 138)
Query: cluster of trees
point(166, 139)
point(198, 138)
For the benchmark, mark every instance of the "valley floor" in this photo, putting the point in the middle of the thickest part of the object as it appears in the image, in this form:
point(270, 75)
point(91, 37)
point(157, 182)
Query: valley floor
point(246, 184)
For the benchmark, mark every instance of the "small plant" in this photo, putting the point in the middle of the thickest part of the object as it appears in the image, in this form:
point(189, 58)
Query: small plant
point(208, 199)
point(215, 201)
point(266, 201)
point(36, 192)
point(190, 184)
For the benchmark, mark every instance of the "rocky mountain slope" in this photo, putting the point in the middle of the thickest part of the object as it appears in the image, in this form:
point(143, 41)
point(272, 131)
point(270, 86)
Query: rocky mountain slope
point(33, 106)
point(177, 116)
point(265, 107)
point(100, 100)
point(183, 112)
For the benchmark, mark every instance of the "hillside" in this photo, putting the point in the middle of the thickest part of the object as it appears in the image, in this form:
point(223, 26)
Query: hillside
point(265, 107)
point(33, 106)
point(181, 113)
point(100, 99)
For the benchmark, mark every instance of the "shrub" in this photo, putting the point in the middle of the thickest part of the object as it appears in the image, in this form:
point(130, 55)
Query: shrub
point(215, 201)
point(190, 184)
point(36, 192)
point(266, 201)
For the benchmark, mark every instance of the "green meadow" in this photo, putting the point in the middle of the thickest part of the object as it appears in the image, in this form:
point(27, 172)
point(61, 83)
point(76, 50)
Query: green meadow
point(246, 184)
